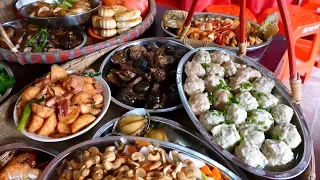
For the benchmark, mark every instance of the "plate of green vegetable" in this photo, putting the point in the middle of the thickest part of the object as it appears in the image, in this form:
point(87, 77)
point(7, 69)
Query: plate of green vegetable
point(7, 80)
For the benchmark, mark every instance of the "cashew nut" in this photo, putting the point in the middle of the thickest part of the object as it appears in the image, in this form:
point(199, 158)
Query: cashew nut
point(109, 177)
point(133, 163)
point(177, 169)
point(115, 165)
point(93, 151)
point(140, 172)
point(109, 156)
point(189, 172)
point(86, 155)
point(92, 160)
point(189, 163)
point(129, 173)
point(110, 149)
point(138, 156)
point(75, 165)
point(166, 169)
point(182, 176)
point(97, 175)
point(155, 157)
point(84, 173)
point(163, 156)
point(155, 165)
point(154, 174)
point(121, 171)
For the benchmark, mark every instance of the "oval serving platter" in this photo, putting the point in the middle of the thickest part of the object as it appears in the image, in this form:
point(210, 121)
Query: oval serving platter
point(106, 66)
point(180, 135)
point(302, 153)
point(172, 32)
point(101, 143)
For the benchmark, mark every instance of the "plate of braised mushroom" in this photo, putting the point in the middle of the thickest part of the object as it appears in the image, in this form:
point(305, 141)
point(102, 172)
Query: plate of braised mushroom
point(141, 74)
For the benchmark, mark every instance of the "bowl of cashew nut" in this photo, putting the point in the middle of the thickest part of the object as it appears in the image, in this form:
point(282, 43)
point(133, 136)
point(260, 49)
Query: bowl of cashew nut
point(128, 157)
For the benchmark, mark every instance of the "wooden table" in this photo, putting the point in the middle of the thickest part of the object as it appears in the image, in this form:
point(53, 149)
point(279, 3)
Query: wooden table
point(25, 74)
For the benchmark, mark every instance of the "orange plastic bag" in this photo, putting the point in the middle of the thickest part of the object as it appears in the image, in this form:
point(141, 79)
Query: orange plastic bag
point(142, 5)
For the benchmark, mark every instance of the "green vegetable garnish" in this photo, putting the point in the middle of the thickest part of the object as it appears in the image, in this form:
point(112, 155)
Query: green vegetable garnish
point(261, 122)
point(228, 122)
point(92, 74)
point(27, 112)
point(43, 38)
point(246, 85)
point(203, 176)
point(211, 97)
point(222, 85)
point(277, 138)
point(6, 81)
point(205, 65)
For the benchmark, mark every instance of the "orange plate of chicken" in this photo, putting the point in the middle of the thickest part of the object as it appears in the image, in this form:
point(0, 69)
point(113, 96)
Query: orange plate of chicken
point(220, 29)
point(62, 105)
point(20, 161)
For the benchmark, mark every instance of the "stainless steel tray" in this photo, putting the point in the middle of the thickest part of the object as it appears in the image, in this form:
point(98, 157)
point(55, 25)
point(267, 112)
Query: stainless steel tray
point(65, 21)
point(206, 14)
point(17, 24)
point(302, 152)
point(50, 171)
point(180, 135)
point(10, 73)
point(107, 65)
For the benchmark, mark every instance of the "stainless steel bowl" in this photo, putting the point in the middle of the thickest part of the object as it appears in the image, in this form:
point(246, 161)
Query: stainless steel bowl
point(44, 155)
point(10, 73)
point(65, 21)
point(107, 65)
point(78, 29)
point(50, 171)
point(182, 136)
point(302, 153)
point(206, 14)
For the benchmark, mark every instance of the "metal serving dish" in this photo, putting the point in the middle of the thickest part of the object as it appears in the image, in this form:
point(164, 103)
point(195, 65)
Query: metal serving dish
point(172, 32)
point(180, 135)
point(78, 29)
point(65, 21)
point(51, 173)
point(107, 65)
point(302, 153)
point(43, 155)
point(10, 73)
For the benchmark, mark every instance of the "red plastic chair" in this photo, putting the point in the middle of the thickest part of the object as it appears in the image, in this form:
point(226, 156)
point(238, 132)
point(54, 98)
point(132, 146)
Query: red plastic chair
point(311, 4)
point(305, 68)
point(233, 10)
point(300, 18)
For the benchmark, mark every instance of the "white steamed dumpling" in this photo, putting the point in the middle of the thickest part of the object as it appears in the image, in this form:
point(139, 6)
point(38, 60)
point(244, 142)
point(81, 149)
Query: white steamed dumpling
point(250, 133)
point(199, 103)
point(263, 84)
point(211, 118)
point(247, 101)
point(251, 155)
point(262, 119)
point(282, 113)
point(194, 68)
point(193, 85)
point(287, 133)
point(277, 152)
point(236, 114)
point(226, 135)
point(219, 57)
point(202, 56)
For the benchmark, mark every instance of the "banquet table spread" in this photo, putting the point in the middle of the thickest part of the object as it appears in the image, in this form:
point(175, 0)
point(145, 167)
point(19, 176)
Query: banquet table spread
point(269, 56)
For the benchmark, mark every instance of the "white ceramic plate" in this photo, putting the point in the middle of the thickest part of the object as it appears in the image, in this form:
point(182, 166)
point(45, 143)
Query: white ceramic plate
point(107, 98)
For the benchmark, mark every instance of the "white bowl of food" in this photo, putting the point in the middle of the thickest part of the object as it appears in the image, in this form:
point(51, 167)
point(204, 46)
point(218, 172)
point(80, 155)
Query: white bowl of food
point(62, 105)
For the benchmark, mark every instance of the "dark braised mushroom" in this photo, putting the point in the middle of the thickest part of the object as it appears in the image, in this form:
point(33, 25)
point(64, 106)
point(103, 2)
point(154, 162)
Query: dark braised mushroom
point(113, 78)
point(125, 75)
point(135, 52)
point(142, 86)
point(134, 82)
point(164, 61)
point(119, 57)
point(127, 96)
point(141, 64)
point(127, 67)
point(158, 74)
point(154, 100)
point(176, 53)
point(149, 47)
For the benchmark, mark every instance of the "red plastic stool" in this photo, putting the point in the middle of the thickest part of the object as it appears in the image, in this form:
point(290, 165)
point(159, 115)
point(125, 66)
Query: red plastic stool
point(300, 18)
point(305, 68)
point(233, 10)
